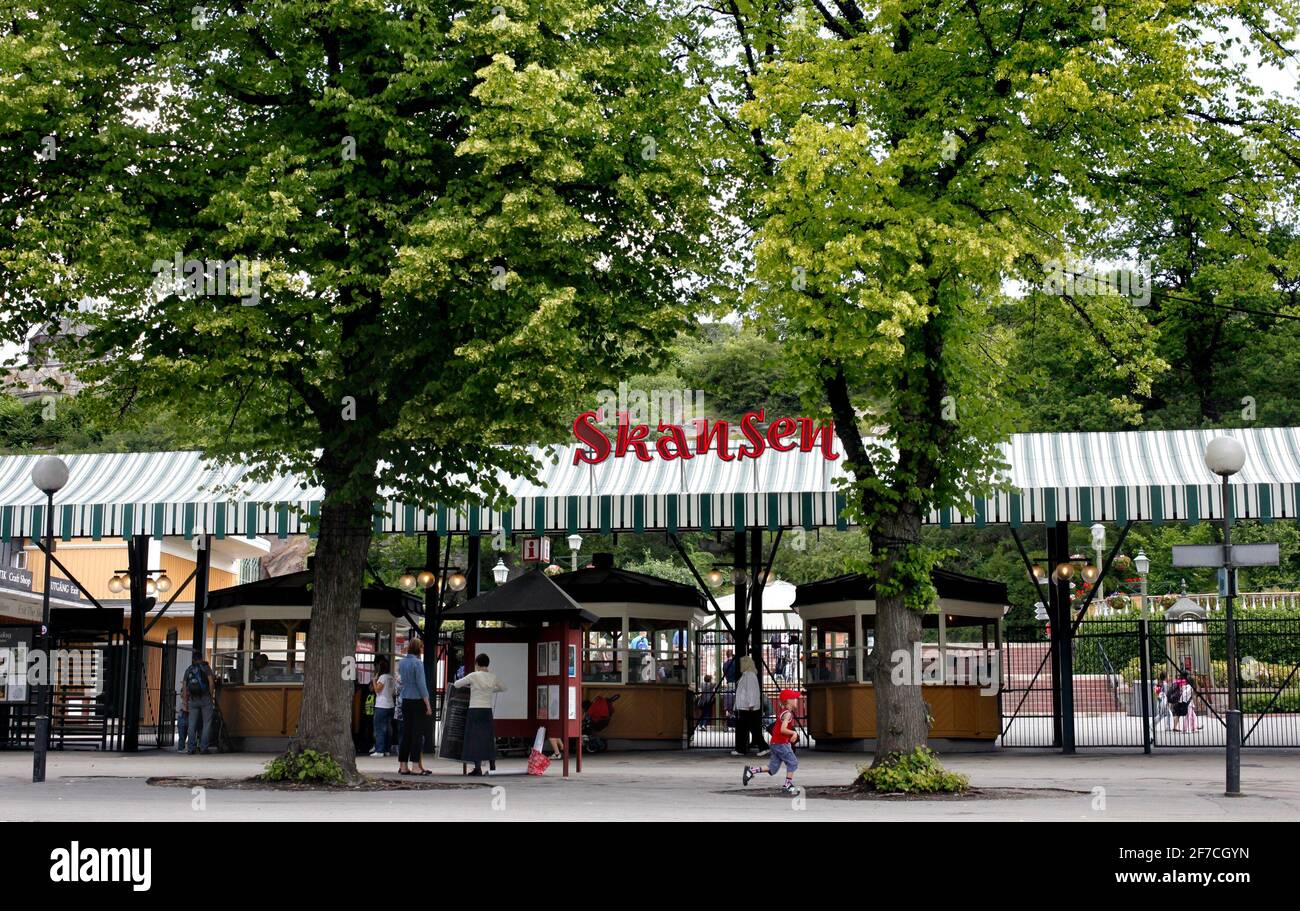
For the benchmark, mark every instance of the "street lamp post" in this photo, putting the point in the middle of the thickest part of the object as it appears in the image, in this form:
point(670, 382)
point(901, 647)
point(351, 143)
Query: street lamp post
point(1225, 457)
point(575, 543)
point(49, 475)
point(1143, 565)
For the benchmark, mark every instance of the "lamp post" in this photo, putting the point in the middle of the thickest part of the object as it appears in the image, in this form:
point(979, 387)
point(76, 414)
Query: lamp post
point(1143, 565)
point(575, 543)
point(49, 475)
point(1225, 457)
point(1099, 545)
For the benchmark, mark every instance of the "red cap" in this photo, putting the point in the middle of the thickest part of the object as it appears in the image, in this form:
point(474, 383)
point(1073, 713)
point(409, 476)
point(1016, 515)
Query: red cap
point(789, 694)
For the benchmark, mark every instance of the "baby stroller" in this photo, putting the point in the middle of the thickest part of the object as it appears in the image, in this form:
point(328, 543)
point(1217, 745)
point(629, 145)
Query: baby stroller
point(595, 718)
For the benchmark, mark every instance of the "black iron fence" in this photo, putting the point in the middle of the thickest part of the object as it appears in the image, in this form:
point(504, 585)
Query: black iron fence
point(714, 717)
point(1124, 684)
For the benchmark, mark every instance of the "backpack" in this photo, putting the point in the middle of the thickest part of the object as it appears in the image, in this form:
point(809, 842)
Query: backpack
point(196, 683)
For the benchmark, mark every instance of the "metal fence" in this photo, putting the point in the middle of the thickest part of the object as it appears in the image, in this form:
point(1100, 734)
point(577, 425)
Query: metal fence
point(1120, 700)
point(782, 667)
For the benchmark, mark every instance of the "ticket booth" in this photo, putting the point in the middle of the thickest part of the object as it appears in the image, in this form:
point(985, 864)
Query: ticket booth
point(957, 662)
point(639, 649)
point(258, 648)
point(532, 633)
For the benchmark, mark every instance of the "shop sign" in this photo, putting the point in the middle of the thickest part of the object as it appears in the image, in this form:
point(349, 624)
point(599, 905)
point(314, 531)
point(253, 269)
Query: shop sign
point(783, 434)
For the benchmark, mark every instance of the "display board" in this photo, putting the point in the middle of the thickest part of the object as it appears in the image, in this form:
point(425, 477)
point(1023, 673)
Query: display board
point(451, 742)
point(509, 661)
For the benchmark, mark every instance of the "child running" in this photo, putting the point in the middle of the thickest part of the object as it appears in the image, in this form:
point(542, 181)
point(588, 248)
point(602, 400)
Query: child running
point(782, 745)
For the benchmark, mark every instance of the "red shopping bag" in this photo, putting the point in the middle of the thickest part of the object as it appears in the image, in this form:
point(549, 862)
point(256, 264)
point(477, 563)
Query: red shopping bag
point(538, 762)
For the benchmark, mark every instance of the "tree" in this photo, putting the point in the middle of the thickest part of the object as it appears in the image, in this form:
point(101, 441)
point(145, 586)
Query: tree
point(385, 243)
point(906, 162)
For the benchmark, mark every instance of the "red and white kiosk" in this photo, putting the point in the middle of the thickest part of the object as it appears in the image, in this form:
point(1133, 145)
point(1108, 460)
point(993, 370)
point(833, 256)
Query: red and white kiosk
point(533, 633)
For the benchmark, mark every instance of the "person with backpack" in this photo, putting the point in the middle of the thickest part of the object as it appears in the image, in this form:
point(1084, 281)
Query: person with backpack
point(704, 703)
point(1176, 702)
point(198, 687)
point(784, 737)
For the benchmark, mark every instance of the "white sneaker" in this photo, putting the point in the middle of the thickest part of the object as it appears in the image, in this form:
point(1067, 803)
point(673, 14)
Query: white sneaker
point(735, 753)
point(762, 753)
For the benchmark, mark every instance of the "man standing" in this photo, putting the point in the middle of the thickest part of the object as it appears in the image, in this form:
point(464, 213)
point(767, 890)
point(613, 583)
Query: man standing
point(197, 689)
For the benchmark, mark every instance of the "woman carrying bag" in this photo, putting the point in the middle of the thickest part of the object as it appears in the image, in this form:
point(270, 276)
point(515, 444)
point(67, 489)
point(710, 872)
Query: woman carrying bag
point(480, 736)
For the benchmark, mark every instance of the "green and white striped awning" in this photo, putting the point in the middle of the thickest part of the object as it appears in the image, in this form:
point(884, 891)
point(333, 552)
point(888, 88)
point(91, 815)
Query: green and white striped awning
point(1155, 476)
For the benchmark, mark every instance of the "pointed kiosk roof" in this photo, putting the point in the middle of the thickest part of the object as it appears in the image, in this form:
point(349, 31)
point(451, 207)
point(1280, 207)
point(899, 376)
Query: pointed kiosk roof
point(532, 596)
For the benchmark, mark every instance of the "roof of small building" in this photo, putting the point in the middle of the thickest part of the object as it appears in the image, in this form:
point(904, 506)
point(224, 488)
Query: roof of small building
point(294, 590)
point(859, 587)
point(532, 596)
point(607, 583)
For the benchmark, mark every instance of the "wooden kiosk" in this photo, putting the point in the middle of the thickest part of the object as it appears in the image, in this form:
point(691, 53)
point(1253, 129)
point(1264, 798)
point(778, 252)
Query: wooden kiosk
point(958, 661)
point(532, 632)
point(259, 644)
point(639, 648)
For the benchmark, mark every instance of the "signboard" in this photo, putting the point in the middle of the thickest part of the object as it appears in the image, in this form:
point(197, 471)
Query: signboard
point(537, 550)
point(16, 579)
point(15, 643)
point(782, 434)
point(65, 589)
point(1202, 555)
point(455, 711)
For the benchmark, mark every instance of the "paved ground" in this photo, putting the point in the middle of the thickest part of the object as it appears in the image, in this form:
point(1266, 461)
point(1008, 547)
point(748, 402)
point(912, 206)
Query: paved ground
point(1171, 785)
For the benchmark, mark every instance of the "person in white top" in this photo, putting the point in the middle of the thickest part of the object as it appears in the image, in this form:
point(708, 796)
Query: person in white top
point(749, 710)
point(480, 736)
point(384, 686)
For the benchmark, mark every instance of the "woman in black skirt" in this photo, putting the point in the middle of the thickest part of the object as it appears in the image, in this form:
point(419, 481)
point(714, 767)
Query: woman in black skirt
point(480, 738)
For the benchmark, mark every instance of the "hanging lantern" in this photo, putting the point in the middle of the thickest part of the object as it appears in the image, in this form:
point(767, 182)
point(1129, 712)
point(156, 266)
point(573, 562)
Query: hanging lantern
point(164, 583)
point(406, 582)
point(150, 587)
point(1090, 573)
point(115, 584)
point(425, 579)
point(456, 581)
point(715, 577)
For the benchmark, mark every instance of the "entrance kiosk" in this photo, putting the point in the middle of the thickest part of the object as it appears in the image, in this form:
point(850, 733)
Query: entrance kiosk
point(957, 663)
point(532, 632)
point(259, 645)
point(640, 649)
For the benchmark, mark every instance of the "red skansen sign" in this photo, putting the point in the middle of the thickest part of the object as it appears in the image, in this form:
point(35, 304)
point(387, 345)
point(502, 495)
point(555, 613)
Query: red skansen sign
point(783, 435)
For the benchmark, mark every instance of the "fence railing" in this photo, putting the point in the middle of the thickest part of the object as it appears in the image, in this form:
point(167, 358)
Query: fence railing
point(1108, 683)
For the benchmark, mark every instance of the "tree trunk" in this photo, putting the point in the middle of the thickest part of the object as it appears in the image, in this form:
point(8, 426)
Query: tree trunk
point(325, 720)
point(902, 717)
